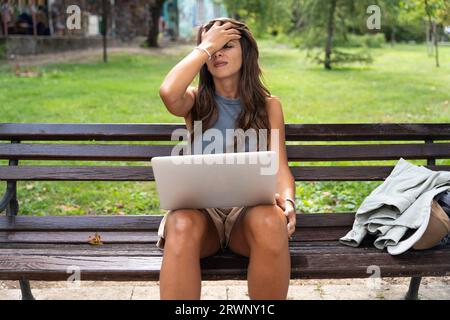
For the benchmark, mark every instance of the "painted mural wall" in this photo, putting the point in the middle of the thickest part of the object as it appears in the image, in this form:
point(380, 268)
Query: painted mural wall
point(190, 14)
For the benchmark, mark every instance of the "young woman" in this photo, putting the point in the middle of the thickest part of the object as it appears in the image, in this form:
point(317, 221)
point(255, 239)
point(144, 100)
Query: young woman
point(230, 95)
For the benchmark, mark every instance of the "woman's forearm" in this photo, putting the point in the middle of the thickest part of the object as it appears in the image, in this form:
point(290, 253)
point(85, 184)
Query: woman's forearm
point(177, 81)
point(286, 184)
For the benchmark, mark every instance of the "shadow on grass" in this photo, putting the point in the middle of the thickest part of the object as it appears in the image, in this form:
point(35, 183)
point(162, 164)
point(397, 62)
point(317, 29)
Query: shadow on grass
point(340, 69)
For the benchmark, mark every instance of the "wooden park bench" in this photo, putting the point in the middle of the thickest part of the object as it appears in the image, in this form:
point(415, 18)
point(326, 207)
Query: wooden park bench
point(50, 248)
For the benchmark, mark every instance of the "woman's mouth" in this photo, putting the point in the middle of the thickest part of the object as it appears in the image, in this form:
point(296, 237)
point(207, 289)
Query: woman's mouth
point(220, 64)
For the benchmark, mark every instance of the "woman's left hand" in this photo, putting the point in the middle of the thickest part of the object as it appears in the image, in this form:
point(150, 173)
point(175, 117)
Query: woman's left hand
point(289, 212)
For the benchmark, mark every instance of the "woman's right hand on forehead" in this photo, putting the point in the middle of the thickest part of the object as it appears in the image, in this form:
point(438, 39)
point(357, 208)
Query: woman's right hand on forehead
point(219, 35)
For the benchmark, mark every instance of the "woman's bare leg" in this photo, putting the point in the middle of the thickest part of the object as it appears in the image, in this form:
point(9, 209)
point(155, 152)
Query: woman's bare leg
point(190, 235)
point(261, 235)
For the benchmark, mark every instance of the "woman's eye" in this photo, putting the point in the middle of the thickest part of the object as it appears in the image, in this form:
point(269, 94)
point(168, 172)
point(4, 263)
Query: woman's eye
point(227, 46)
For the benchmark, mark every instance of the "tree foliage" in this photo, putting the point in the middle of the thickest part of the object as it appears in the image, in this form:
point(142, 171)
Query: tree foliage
point(331, 23)
point(263, 16)
point(436, 13)
point(327, 20)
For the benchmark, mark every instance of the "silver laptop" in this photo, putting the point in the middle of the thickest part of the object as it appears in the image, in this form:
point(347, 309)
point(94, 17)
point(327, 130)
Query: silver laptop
point(216, 180)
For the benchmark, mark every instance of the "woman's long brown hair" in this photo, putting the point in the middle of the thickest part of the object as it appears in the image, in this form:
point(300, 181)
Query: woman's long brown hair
point(252, 91)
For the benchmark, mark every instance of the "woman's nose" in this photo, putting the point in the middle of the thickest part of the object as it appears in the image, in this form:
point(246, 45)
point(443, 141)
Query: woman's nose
point(218, 54)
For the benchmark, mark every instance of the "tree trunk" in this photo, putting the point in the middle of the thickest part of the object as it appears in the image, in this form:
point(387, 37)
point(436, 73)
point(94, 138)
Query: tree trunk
point(393, 35)
point(330, 30)
point(32, 8)
point(105, 29)
point(433, 30)
point(155, 8)
point(429, 42)
point(436, 43)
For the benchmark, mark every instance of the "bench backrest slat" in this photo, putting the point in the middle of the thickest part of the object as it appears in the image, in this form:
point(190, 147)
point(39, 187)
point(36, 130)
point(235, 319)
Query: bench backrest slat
point(432, 145)
point(104, 152)
point(87, 132)
point(163, 132)
point(145, 173)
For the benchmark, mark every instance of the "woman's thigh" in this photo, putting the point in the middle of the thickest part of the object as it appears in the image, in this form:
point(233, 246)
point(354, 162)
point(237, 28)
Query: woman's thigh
point(194, 225)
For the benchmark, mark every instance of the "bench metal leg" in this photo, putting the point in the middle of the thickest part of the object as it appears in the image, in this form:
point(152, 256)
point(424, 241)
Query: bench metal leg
point(26, 290)
point(12, 209)
point(413, 291)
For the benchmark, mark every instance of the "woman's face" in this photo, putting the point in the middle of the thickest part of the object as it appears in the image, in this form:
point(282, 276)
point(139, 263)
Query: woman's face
point(226, 62)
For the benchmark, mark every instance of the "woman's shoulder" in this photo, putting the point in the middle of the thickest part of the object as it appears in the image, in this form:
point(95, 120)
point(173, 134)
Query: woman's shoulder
point(273, 103)
point(274, 111)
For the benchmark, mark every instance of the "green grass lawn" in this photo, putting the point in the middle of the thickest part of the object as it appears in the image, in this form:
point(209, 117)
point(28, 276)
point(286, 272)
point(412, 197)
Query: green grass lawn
point(402, 85)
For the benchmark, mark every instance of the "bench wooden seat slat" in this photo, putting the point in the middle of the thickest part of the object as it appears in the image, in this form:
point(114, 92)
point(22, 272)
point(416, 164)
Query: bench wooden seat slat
point(140, 223)
point(149, 249)
point(145, 173)
point(146, 249)
point(77, 236)
point(161, 132)
point(356, 264)
point(63, 249)
point(305, 264)
point(91, 267)
point(301, 234)
point(99, 152)
point(81, 223)
point(66, 230)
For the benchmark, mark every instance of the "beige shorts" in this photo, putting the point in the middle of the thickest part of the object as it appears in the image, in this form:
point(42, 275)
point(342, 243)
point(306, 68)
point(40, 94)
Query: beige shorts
point(223, 218)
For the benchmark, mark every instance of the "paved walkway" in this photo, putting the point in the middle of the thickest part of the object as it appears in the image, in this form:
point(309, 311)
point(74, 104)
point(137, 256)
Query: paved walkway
point(350, 289)
point(96, 55)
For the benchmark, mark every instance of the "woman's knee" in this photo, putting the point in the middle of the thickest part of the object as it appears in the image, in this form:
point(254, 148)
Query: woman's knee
point(185, 226)
point(267, 228)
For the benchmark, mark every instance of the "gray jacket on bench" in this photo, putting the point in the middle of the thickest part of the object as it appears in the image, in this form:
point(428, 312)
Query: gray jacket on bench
point(400, 203)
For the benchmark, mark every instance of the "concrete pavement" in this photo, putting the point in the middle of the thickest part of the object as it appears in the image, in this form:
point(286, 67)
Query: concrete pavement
point(350, 289)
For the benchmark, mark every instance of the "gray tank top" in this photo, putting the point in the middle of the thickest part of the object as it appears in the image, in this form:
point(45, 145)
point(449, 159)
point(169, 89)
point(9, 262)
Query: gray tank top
point(228, 112)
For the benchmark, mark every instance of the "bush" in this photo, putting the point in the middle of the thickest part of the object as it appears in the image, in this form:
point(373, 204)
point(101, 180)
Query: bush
point(407, 32)
point(349, 40)
point(290, 39)
point(339, 57)
point(362, 41)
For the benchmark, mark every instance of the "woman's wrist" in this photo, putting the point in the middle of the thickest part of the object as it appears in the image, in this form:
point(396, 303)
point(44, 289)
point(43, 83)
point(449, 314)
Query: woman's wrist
point(206, 46)
point(291, 201)
point(204, 51)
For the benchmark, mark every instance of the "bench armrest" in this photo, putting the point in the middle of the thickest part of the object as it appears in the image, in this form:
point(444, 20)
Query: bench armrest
point(10, 191)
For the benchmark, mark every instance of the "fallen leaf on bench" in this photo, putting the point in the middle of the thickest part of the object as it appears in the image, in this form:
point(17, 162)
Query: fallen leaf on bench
point(95, 240)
